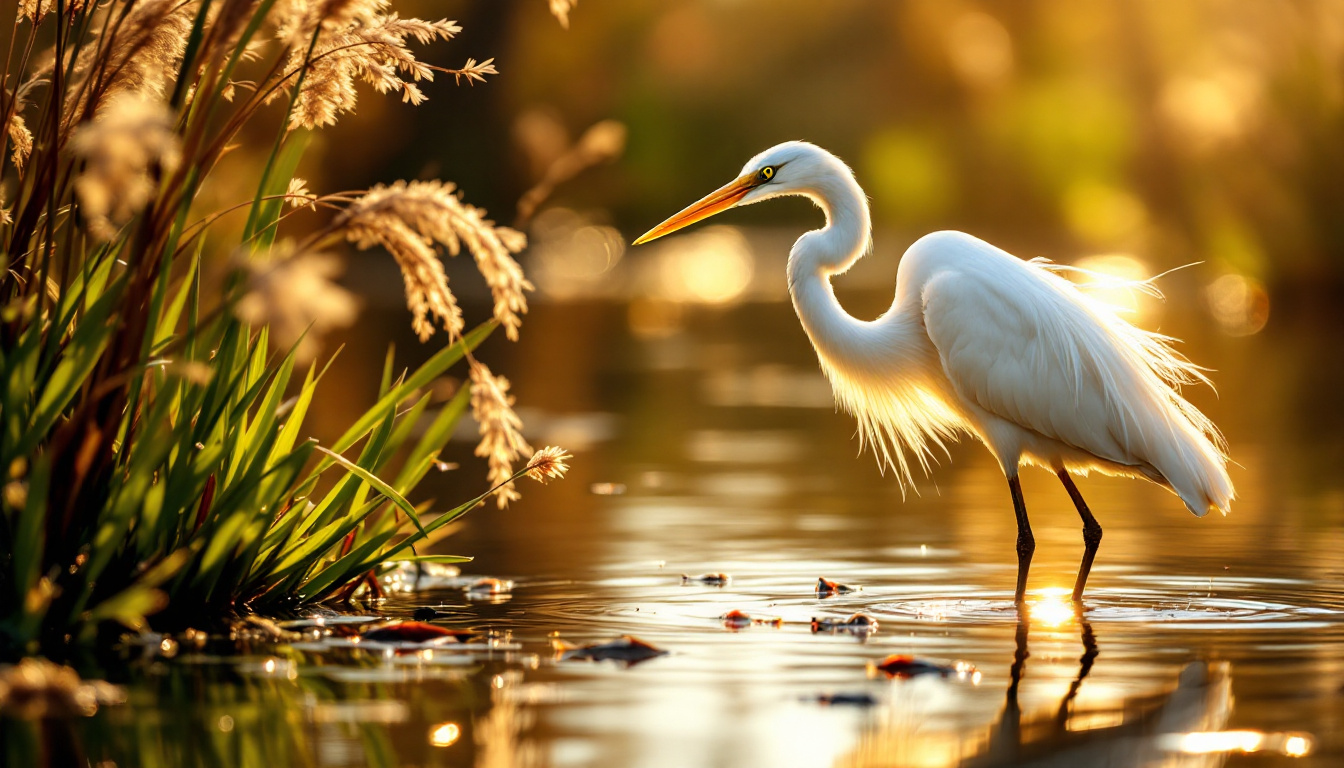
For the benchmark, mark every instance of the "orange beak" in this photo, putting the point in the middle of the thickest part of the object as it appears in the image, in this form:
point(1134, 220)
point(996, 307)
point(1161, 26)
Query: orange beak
point(721, 199)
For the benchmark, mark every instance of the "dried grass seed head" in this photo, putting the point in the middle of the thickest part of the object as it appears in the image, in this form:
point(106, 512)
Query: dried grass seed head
point(359, 40)
point(410, 220)
point(295, 294)
point(298, 196)
point(142, 58)
point(560, 10)
point(124, 150)
point(548, 464)
point(20, 138)
point(502, 441)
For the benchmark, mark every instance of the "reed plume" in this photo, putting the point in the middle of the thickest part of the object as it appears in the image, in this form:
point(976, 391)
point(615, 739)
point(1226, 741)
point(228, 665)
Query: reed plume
point(352, 41)
point(151, 432)
point(124, 151)
point(296, 296)
point(500, 429)
point(411, 220)
point(548, 464)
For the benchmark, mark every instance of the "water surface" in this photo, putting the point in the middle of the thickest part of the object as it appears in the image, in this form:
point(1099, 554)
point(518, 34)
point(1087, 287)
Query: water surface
point(716, 431)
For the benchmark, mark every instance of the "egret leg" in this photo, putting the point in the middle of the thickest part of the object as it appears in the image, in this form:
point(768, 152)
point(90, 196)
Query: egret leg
point(1026, 543)
point(1091, 534)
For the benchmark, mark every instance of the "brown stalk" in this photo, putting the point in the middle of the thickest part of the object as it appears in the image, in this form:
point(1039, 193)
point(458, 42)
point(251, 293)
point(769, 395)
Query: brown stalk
point(207, 498)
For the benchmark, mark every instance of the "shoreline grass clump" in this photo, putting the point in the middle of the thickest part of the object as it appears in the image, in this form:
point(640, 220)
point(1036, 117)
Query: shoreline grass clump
point(158, 361)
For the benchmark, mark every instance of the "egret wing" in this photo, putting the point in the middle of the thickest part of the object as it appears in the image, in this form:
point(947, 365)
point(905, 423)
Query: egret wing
point(1023, 344)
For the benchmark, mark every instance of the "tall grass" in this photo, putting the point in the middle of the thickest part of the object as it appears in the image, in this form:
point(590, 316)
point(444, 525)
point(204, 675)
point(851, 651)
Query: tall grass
point(159, 360)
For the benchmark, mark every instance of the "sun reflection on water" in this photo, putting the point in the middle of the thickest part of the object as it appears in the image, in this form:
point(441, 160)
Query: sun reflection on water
point(1210, 742)
point(1053, 608)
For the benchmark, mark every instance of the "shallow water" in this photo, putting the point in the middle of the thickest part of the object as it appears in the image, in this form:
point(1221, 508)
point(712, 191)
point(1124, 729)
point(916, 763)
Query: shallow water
point(732, 460)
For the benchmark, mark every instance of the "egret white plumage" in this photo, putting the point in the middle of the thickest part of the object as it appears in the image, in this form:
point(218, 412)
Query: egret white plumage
point(980, 342)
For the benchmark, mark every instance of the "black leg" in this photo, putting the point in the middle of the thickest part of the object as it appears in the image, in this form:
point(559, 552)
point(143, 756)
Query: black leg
point(1091, 534)
point(1026, 543)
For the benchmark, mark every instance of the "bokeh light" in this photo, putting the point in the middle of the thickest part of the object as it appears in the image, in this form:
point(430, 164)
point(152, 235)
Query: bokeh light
point(445, 734)
point(711, 266)
point(1239, 304)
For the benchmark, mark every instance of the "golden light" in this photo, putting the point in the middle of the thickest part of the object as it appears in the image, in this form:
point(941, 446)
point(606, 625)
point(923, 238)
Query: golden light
point(1211, 110)
point(1103, 214)
point(711, 266)
point(652, 318)
point(1222, 741)
point(445, 734)
point(1118, 274)
point(980, 49)
point(1213, 742)
point(1296, 746)
point(1239, 304)
point(1053, 608)
point(573, 257)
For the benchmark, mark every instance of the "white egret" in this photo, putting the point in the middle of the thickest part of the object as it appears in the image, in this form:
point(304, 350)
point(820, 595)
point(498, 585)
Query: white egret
point(980, 342)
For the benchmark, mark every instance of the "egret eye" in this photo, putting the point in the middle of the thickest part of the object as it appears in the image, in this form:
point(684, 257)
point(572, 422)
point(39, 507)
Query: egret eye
point(767, 173)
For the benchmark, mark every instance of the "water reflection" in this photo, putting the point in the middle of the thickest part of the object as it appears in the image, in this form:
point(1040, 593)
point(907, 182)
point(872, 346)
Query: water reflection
point(1133, 731)
point(714, 449)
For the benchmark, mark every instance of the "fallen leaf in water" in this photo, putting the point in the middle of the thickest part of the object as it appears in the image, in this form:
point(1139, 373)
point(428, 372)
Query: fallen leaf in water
point(858, 623)
point(736, 620)
point(827, 588)
point(903, 667)
point(709, 579)
point(843, 699)
point(426, 613)
point(415, 632)
point(490, 587)
point(630, 650)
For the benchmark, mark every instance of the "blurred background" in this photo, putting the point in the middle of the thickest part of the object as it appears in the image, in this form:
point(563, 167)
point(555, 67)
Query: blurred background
point(1125, 136)
point(1199, 131)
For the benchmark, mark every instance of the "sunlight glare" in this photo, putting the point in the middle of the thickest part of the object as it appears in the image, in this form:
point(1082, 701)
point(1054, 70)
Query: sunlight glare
point(1296, 746)
point(1053, 608)
point(712, 266)
point(1210, 742)
point(445, 734)
point(1121, 269)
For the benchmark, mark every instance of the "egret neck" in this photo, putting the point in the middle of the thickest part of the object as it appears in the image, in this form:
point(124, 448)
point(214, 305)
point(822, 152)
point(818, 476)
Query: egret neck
point(843, 341)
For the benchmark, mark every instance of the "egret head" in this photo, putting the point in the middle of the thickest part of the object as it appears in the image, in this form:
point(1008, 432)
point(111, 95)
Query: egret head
point(791, 168)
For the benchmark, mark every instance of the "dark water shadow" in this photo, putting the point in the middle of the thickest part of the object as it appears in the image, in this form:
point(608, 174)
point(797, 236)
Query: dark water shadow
point(1201, 701)
point(1135, 731)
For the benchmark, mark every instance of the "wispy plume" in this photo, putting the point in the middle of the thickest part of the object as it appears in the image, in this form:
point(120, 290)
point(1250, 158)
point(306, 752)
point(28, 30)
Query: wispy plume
point(411, 220)
point(142, 56)
point(560, 10)
point(548, 464)
point(123, 151)
point(502, 441)
point(298, 196)
point(296, 296)
point(359, 40)
point(474, 72)
point(20, 139)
